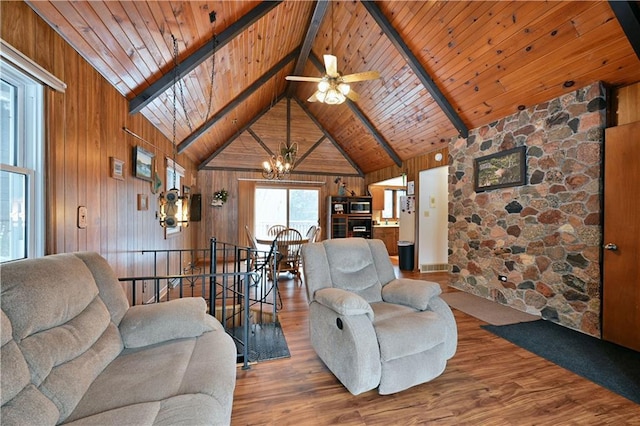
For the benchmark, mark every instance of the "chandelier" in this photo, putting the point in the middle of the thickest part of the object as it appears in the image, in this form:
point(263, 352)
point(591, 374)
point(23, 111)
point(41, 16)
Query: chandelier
point(281, 164)
point(332, 90)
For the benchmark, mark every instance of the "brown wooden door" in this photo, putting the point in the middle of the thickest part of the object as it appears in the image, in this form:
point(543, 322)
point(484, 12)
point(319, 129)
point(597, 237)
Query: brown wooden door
point(621, 267)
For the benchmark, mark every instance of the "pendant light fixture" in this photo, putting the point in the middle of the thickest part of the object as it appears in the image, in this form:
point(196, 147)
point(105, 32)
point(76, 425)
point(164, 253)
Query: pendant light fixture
point(280, 165)
point(174, 207)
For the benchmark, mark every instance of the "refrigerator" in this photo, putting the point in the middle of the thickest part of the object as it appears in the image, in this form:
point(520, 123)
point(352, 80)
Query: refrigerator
point(407, 219)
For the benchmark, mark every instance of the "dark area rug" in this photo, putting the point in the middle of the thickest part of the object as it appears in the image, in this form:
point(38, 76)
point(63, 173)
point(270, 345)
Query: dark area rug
point(606, 364)
point(266, 342)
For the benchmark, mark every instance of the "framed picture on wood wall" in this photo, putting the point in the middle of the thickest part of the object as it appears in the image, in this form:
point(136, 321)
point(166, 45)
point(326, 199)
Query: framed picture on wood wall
point(501, 170)
point(116, 168)
point(142, 164)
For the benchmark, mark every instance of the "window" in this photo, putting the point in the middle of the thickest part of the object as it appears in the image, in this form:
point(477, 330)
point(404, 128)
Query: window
point(21, 166)
point(293, 207)
point(392, 203)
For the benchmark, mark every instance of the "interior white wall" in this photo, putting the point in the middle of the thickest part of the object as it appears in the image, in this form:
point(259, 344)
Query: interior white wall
point(432, 217)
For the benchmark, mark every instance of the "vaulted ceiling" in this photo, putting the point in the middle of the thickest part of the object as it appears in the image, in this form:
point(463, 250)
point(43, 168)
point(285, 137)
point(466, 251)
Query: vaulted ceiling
point(446, 67)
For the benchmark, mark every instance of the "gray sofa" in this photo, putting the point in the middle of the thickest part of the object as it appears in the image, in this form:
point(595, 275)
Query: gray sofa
point(370, 328)
point(74, 352)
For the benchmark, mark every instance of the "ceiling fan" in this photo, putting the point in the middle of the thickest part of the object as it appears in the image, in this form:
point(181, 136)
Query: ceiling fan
point(333, 88)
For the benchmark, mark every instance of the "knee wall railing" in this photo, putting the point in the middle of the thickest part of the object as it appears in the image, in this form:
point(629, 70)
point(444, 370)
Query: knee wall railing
point(234, 281)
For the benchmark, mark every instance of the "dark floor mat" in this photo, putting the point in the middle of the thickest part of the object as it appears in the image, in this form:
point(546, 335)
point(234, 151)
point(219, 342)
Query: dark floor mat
point(609, 365)
point(266, 342)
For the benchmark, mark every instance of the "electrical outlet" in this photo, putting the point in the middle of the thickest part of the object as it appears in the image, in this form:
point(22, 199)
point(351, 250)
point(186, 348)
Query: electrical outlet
point(502, 278)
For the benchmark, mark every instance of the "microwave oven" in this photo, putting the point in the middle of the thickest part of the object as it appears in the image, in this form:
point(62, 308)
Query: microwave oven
point(360, 207)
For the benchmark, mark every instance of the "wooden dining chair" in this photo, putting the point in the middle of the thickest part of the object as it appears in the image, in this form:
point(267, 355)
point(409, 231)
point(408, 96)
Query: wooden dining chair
point(311, 232)
point(273, 230)
point(317, 235)
point(289, 242)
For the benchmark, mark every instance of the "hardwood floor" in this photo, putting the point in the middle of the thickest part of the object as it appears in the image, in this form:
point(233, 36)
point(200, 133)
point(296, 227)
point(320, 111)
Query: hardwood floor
point(488, 382)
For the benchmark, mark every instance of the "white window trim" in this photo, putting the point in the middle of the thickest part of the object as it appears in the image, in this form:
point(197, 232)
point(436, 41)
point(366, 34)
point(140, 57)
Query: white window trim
point(29, 67)
point(30, 159)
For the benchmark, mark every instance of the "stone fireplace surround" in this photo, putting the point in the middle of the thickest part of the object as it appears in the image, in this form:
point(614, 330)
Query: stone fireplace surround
point(545, 236)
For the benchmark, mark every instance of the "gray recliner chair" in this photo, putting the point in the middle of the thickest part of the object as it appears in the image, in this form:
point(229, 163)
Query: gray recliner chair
point(370, 328)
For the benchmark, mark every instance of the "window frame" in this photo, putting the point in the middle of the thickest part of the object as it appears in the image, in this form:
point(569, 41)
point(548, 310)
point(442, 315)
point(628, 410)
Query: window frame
point(28, 156)
point(396, 193)
point(288, 189)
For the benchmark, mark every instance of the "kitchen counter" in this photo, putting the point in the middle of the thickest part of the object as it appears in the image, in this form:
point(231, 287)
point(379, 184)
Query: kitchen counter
point(389, 235)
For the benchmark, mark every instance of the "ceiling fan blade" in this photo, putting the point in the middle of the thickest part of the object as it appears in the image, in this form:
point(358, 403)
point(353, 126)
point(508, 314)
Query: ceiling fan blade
point(353, 96)
point(303, 78)
point(331, 65)
point(313, 97)
point(360, 76)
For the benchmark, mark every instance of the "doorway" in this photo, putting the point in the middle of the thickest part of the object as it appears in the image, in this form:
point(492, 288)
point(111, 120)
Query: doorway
point(621, 261)
point(433, 235)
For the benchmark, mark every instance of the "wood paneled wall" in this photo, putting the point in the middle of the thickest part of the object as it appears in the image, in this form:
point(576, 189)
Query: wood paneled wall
point(84, 128)
point(627, 106)
point(222, 222)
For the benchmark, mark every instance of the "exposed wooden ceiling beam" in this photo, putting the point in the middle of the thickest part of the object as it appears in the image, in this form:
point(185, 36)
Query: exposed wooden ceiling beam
point(326, 133)
point(203, 165)
point(237, 100)
point(199, 56)
point(312, 31)
point(363, 118)
point(417, 68)
point(260, 141)
point(313, 147)
point(628, 15)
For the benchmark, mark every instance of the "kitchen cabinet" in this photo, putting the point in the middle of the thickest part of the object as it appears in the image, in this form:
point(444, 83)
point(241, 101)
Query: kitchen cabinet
point(349, 217)
point(377, 197)
point(389, 236)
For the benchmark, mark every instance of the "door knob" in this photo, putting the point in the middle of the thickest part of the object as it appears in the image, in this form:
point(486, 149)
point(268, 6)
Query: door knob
point(611, 246)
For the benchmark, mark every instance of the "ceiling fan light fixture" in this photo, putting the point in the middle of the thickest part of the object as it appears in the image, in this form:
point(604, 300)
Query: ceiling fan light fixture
point(323, 86)
point(334, 97)
point(344, 88)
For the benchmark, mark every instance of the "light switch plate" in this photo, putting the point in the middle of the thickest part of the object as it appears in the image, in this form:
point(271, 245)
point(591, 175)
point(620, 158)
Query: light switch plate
point(82, 217)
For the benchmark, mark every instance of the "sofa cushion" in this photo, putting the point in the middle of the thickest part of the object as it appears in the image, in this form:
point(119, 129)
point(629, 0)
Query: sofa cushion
point(343, 302)
point(111, 291)
point(384, 310)
point(352, 267)
point(185, 410)
point(409, 334)
point(29, 407)
point(17, 377)
point(68, 382)
point(203, 365)
point(408, 292)
point(56, 289)
point(149, 324)
point(54, 347)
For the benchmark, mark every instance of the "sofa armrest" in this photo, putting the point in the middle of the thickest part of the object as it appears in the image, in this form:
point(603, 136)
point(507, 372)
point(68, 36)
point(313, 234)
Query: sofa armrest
point(409, 292)
point(159, 322)
point(343, 302)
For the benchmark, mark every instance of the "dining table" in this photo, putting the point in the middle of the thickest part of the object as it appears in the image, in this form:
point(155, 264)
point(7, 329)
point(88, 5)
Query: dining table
point(283, 249)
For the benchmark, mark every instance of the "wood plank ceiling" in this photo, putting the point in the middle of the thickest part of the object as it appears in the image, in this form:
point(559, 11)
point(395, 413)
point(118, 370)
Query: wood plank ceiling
point(445, 67)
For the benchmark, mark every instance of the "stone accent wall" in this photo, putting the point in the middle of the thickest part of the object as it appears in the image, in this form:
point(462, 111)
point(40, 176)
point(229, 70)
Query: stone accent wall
point(545, 236)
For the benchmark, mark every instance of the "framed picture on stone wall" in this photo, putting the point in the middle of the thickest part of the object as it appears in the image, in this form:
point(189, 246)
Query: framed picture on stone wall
point(501, 170)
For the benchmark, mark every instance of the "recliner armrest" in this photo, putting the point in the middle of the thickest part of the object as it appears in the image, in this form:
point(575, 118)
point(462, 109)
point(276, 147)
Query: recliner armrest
point(409, 292)
point(343, 302)
point(159, 322)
